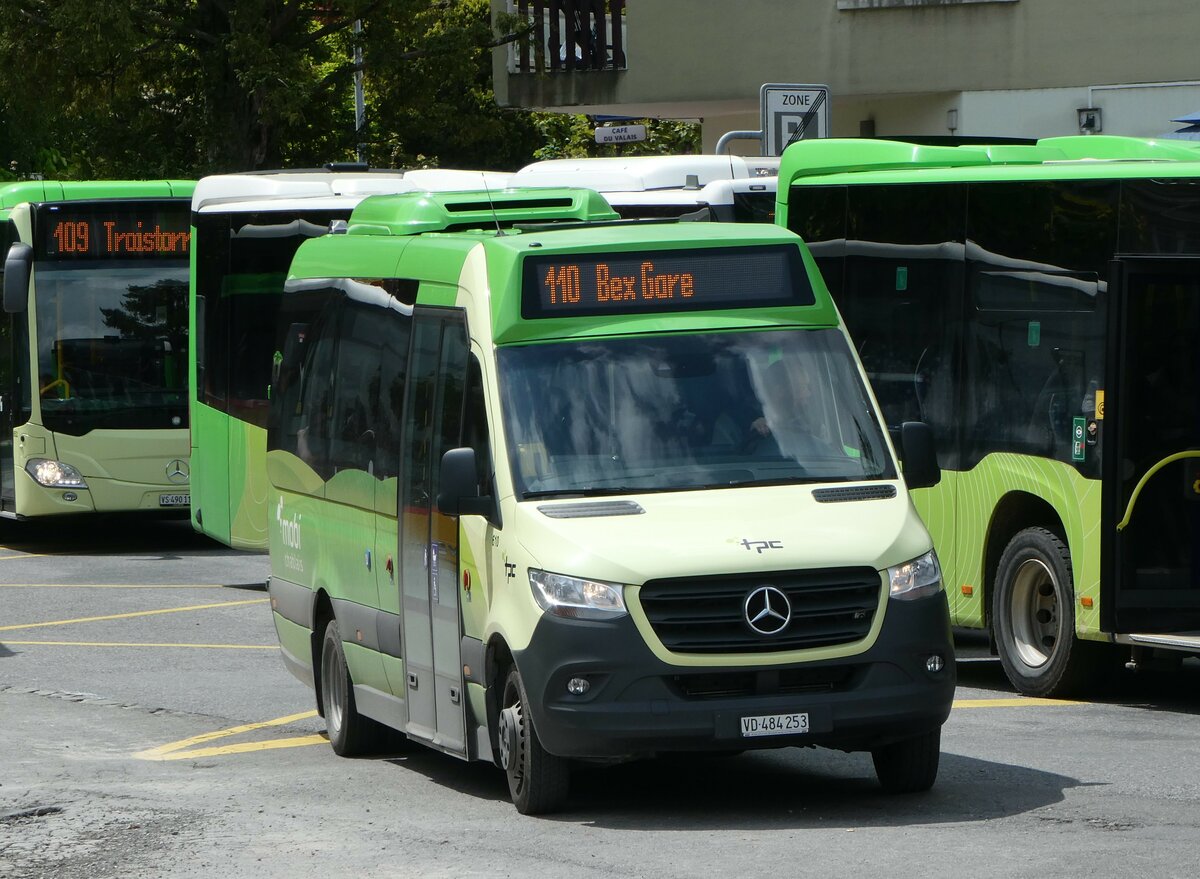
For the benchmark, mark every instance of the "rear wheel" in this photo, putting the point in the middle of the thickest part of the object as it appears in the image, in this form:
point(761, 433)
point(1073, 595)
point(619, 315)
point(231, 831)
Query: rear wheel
point(909, 766)
point(1033, 616)
point(537, 780)
point(350, 733)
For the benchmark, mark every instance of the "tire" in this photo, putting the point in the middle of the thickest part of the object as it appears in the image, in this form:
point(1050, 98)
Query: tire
point(537, 780)
point(1033, 617)
point(350, 733)
point(909, 766)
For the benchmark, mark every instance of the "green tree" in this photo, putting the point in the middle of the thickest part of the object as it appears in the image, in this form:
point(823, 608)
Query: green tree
point(171, 87)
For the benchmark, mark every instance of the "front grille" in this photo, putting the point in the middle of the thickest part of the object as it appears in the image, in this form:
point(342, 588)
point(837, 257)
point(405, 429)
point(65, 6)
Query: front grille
point(707, 614)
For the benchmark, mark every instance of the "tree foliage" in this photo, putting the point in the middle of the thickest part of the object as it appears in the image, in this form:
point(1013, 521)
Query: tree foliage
point(182, 88)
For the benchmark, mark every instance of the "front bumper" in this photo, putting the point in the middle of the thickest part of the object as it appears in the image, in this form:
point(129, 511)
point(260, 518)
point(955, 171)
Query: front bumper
point(638, 705)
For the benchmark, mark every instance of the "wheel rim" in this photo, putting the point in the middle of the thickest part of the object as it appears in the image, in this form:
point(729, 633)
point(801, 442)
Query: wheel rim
point(516, 756)
point(1034, 612)
point(335, 687)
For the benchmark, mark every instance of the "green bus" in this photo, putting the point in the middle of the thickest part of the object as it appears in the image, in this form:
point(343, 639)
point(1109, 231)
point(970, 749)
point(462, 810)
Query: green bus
point(1033, 304)
point(246, 227)
point(549, 487)
point(93, 348)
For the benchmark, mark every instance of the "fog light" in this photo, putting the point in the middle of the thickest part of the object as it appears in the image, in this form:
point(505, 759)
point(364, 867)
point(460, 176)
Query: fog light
point(934, 663)
point(70, 496)
point(578, 686)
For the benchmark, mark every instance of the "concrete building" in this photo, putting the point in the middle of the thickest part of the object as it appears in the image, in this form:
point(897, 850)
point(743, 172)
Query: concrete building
point(987, 68)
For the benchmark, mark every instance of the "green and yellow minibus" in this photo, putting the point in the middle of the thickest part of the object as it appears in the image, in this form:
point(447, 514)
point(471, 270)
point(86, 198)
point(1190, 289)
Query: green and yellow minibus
point(549, 487)
point(93, 348)
point(1033, 304)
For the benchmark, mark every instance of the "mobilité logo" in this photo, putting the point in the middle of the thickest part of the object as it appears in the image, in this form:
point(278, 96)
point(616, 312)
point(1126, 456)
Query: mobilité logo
point(289, 529)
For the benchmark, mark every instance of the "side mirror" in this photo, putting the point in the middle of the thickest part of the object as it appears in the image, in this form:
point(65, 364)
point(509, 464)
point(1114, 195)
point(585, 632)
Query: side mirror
point(919, 456)
point(458, 492)
point(18, 266)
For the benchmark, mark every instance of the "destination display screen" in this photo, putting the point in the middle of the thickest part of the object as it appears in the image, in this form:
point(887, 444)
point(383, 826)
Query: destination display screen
point(562, 285)
point(113, 230)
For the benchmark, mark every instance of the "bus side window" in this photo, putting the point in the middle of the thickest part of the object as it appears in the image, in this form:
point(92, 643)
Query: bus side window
point(355, 406)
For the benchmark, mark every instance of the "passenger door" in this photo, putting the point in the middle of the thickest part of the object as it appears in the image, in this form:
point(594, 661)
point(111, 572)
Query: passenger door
point(431, 622)
point(1151, 426)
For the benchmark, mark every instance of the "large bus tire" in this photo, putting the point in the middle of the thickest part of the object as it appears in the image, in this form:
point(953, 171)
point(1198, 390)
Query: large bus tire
point(1033, 617)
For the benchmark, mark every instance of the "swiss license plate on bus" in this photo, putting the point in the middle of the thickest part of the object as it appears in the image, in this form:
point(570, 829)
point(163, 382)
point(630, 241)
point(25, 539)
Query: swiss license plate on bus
point(174, 500)
point(775, 724)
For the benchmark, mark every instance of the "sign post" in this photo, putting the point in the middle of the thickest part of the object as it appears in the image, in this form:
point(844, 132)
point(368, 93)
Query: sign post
point(792, 112)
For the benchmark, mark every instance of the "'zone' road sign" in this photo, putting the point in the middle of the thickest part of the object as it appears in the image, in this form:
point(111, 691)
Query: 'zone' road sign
point(792, 112)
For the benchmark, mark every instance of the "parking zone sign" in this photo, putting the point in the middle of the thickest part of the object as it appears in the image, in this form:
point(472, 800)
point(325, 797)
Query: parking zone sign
point(792, 112)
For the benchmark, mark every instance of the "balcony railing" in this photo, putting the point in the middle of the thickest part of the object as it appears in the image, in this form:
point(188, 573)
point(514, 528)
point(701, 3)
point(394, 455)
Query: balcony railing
point(569, 35)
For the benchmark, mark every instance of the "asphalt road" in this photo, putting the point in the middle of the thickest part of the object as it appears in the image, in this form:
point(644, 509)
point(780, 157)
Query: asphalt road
point(149, 729)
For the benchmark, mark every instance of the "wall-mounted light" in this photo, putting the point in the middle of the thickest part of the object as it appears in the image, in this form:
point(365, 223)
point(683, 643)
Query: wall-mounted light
point(952, 119)
point(1090, 120)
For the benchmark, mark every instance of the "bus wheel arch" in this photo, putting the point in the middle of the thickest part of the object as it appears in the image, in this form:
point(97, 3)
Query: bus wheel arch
point(322, 614)
point(497, 661)
point(1015, 512)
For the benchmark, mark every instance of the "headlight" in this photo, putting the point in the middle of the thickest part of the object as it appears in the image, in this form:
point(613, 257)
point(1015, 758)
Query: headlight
point(576, 599)
point(54, 474)
point(916, 579)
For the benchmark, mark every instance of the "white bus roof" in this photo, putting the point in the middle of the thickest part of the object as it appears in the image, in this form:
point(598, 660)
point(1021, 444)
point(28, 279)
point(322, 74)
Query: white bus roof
point(714, 193)
point(644, 173)
point(283, 190)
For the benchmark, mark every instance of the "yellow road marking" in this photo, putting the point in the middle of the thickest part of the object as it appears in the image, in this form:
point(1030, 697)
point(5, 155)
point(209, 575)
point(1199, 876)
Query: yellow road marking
point(112, 585)
point(1012, 702)
point(179, 750)
point(32, 555)
point(140, 613)
point(134, 644)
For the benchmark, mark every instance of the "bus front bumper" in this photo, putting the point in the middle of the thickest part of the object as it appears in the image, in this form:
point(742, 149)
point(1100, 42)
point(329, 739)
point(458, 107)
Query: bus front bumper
point(638, 705)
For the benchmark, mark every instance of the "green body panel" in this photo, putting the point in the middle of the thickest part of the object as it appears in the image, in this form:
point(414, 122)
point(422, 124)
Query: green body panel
point(210, 465)
point(960, 510)
point(13, 194)
point(294, 640)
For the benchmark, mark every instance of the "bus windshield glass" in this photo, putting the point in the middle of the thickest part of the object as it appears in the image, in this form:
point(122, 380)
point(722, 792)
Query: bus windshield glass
point(669, 413)
point(112, 344)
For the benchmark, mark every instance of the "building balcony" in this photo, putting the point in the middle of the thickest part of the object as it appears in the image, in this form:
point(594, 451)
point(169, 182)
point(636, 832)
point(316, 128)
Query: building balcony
point(568, 36)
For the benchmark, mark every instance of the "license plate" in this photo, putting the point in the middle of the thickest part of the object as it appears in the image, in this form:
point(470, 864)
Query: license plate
point(775, 724)
point(174, 500)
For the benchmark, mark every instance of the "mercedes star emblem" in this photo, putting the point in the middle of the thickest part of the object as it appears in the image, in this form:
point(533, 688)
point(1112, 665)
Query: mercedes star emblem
point(768, 610)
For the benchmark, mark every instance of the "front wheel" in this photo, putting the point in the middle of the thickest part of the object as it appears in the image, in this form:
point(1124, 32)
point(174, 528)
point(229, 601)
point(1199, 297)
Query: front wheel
point(1033, 616)
point(909, 766)
point(537, 780)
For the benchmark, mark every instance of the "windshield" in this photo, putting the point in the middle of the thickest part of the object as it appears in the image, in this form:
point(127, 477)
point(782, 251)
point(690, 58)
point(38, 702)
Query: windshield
point(112, 345)
point(665, 413)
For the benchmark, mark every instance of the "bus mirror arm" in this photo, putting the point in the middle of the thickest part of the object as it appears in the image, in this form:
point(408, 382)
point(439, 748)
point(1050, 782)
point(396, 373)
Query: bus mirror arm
point(458, 493)
point(18, 265)
point(919, 456)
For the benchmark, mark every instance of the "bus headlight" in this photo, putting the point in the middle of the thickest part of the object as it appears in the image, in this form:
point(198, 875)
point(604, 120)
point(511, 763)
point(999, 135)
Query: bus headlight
point(54, 474)
point(576, 599)
point(915, 579)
